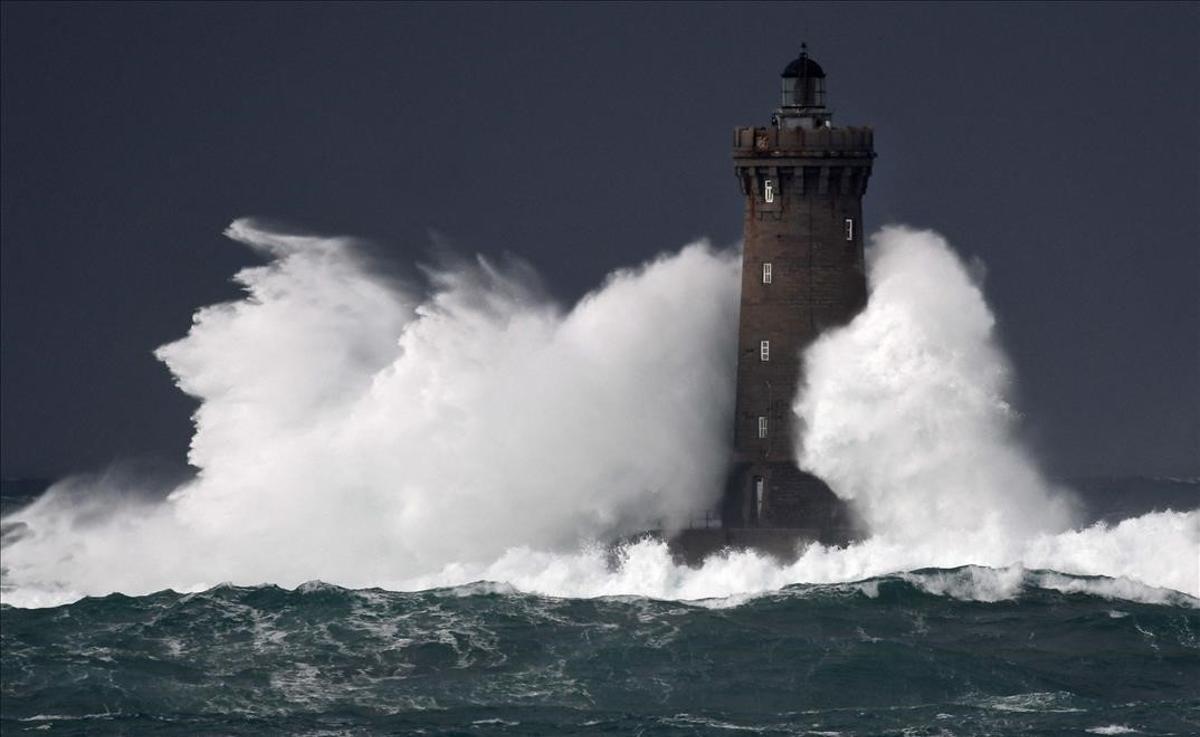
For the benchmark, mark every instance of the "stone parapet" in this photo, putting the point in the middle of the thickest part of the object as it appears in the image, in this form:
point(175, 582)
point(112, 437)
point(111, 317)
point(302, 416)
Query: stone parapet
point(797, 142)
point(807, 162)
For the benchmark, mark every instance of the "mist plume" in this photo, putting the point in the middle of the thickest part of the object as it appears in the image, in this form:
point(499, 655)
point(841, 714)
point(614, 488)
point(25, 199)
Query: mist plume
point(359, 430)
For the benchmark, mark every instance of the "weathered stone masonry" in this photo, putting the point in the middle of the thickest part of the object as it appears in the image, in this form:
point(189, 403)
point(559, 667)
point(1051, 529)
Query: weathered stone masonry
point(802, 271)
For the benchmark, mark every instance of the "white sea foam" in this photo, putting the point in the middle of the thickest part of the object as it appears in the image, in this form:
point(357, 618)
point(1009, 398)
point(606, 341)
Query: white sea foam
point(355, 430)
point(906, 409)
point(1037, 701)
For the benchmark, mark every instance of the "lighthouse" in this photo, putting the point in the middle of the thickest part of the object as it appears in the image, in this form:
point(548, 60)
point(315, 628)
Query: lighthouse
point(802, 180)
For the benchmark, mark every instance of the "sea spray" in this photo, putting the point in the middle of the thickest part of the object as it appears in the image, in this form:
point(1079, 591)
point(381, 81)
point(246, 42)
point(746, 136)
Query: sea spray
point(356, 430)
point(906, 410)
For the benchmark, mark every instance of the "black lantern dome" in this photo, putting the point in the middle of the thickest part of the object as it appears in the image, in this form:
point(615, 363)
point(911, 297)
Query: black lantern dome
point(802, 98)
point(803, 66)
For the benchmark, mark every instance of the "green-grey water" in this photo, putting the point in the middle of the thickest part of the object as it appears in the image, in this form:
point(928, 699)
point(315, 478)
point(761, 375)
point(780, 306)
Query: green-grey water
point(883, 657)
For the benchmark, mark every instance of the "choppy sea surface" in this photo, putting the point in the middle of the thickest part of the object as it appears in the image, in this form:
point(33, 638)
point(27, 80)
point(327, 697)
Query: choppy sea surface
point(964, 651)
point(881, 657)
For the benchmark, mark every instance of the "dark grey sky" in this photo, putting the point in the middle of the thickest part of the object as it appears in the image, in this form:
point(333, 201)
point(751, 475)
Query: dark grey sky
point(1059, 143)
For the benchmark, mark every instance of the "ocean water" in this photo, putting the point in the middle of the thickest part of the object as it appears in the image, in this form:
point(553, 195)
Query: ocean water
point(446, 460)
point(885, 656)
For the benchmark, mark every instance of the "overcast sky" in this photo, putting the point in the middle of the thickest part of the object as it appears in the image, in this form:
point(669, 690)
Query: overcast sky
point(1059, 144)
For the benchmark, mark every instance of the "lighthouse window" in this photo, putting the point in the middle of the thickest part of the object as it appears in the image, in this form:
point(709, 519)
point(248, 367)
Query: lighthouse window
point(762, 427)
point(764, 350)
point(767, 272)
point(849, 229)
point(769, 191)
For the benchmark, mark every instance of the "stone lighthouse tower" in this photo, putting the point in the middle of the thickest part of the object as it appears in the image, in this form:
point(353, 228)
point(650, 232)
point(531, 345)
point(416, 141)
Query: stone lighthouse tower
point(803, 180)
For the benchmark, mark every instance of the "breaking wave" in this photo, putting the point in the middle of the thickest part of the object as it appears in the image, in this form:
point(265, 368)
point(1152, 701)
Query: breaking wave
point(357, 429)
